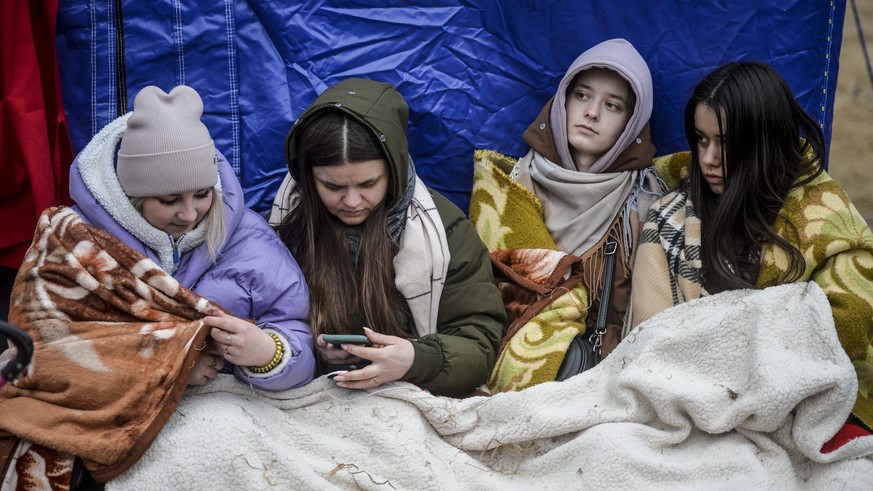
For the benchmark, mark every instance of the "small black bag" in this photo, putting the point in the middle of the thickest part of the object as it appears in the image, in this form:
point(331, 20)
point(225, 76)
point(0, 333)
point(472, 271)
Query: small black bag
point(583, 353)
point(580, 357)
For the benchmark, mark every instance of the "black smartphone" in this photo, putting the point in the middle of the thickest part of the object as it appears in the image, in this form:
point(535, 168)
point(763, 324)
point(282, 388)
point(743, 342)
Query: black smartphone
point(338, 339)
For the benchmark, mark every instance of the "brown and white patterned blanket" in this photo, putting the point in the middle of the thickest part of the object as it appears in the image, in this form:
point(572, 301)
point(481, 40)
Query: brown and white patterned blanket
point(115, 339)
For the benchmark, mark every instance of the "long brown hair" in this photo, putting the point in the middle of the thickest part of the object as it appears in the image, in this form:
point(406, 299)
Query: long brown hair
point(348, 289)
point(770, 147)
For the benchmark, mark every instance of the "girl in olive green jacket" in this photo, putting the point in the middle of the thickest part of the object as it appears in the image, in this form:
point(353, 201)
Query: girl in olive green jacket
point(384, 255)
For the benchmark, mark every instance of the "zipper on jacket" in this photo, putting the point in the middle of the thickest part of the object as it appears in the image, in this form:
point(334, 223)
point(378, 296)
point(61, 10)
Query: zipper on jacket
point(175, 244)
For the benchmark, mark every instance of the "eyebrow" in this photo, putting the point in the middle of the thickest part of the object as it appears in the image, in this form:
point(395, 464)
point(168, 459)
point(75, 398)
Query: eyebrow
point(701, 132)
point(198, 191)
point(373, 180)
point(614, 96)
point(368, 181)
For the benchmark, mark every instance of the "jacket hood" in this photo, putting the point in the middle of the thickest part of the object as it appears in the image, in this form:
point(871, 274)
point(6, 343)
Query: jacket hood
point(634, 148)
point(101, 201)
point(380, 107)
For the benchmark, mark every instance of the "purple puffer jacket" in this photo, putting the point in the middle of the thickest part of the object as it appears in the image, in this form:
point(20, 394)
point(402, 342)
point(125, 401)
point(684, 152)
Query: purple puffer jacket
point(255, 276)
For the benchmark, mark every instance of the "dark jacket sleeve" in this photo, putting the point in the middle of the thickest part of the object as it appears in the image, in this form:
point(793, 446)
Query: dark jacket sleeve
point(471, 319)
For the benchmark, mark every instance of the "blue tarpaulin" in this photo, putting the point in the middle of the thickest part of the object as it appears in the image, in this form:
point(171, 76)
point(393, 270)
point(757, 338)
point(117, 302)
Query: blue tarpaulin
point(475, 73)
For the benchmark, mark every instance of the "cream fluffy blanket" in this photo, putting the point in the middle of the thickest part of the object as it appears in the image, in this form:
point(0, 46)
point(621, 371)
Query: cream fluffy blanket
point(737, 390)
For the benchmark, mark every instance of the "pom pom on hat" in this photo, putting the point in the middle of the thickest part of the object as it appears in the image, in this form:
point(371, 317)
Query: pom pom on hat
point(166, 149)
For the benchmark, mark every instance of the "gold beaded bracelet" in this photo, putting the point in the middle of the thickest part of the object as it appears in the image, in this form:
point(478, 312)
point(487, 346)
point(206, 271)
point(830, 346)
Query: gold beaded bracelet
point(280, 351)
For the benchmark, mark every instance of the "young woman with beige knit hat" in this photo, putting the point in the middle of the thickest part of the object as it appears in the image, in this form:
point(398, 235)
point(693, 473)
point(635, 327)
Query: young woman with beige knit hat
point(171, 195)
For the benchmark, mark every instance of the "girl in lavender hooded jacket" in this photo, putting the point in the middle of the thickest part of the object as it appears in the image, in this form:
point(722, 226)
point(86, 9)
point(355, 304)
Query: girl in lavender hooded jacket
point(590, 166)
point(174, 198)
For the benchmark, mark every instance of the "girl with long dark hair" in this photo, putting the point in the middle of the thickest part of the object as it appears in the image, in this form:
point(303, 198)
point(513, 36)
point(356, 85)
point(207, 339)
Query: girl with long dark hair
point(756, 210)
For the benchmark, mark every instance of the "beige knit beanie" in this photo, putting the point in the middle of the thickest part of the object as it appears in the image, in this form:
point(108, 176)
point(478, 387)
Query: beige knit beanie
point(166, 149)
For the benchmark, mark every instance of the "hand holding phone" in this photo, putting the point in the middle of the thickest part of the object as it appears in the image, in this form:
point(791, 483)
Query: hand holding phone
point(338, 339)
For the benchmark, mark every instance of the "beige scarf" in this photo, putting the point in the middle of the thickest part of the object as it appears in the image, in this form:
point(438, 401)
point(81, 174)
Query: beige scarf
point(579, 207)
point(421, 265)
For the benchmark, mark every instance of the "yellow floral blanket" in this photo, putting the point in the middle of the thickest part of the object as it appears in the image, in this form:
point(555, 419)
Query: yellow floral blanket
point(506, 215)
point(547, 304)
point(509, 219)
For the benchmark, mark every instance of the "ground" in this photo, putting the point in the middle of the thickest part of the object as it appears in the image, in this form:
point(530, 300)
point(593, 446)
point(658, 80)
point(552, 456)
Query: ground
point(851, 151)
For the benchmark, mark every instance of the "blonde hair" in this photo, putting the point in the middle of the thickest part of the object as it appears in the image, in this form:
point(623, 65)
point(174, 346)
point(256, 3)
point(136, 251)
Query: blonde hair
point(215, 222)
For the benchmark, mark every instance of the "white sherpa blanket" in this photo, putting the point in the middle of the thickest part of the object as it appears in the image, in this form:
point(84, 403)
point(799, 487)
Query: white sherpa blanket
point(738, 390)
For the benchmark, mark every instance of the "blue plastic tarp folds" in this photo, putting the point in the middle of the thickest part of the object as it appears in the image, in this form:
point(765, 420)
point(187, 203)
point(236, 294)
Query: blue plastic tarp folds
point(474, 73)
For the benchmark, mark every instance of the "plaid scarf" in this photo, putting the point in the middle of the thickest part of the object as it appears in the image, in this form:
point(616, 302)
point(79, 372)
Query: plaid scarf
point(668, 252)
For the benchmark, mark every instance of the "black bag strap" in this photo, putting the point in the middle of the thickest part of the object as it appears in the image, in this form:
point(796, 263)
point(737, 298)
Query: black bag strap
point(596, 338)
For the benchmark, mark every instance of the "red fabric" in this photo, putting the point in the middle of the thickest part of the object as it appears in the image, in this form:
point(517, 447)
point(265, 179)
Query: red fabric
point(847, 433)
point(35, 147)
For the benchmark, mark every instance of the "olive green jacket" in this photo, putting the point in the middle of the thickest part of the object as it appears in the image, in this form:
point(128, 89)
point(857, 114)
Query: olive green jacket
point(471, 320)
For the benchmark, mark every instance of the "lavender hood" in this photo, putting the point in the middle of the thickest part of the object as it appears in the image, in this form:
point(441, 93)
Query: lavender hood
point(620, 56)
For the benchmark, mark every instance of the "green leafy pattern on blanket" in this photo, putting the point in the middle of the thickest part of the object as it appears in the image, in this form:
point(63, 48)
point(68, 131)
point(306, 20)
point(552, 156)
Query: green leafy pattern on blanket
point(534, 354)
point(505, 214)
point(509, 217)
point(672, 168)
point(837, 245)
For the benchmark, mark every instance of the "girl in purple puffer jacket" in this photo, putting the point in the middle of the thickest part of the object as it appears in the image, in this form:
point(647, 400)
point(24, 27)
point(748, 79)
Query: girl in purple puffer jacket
point(168, 193)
